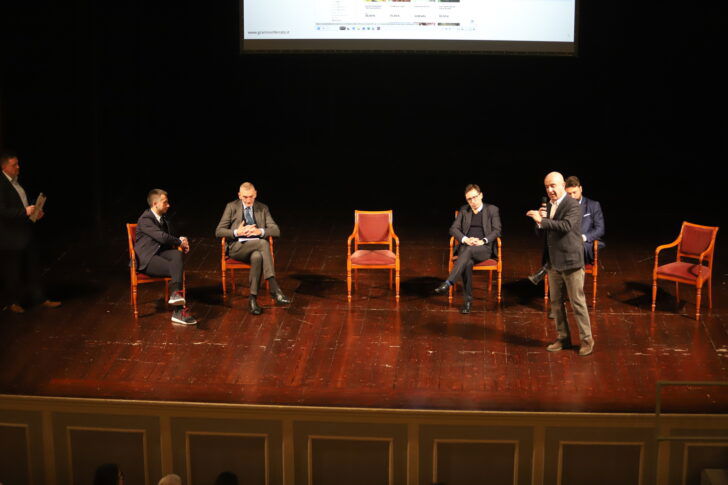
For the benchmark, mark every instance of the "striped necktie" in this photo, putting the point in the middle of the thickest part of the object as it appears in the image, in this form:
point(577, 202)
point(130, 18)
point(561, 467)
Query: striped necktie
point(249, 216)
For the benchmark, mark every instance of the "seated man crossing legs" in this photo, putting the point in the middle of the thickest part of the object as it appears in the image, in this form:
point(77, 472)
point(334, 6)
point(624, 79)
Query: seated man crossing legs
point(245, 223)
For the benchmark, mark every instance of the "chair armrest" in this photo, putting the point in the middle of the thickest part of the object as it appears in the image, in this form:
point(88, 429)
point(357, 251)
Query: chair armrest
point(395, 237)
point(348, 242)
point(703, 254)
point(666, 246)
point(452, 246)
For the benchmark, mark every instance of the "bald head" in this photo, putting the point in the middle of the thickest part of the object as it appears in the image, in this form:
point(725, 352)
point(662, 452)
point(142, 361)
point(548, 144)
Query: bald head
point(170, 479)
point(555, 186)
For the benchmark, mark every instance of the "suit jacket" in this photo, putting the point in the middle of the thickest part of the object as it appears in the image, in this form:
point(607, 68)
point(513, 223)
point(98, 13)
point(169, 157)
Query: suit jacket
point(491, 224)
point(150, 238)
point(563, 245)
point(233, 216)
point(592, 220)
point(16, 229)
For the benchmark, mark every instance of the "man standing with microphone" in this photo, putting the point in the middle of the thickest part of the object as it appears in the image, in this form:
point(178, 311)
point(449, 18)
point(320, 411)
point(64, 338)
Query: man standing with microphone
point(564, 256)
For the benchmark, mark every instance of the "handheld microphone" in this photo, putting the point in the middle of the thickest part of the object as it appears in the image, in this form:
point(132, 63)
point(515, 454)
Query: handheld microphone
point(542, 209)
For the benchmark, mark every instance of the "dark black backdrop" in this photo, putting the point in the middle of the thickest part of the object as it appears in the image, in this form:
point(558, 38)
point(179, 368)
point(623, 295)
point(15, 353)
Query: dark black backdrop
point(104, 100)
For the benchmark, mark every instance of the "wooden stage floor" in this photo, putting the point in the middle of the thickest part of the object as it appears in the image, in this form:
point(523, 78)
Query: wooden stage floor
point(323, 351)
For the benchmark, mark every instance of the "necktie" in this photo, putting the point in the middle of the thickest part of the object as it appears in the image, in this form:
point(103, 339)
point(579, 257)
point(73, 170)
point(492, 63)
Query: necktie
point(249, 216)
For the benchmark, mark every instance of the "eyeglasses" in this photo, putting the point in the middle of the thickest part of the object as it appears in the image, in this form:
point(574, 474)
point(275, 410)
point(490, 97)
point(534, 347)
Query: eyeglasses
point(470, 199)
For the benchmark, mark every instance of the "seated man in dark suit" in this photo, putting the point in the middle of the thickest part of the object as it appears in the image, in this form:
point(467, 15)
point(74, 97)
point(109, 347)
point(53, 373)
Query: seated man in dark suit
point(476, 227)
point(592, 219)
point(245, 223)
point(158, 252)
point(19, 253)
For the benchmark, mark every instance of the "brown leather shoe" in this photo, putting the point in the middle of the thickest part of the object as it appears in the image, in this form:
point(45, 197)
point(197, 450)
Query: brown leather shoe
point(587, 346)
point(559, 345)
point(50, 304)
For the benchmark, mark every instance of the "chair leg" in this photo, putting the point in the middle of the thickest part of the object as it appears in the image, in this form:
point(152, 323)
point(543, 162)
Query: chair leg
point(224, 283)
point(166, 291)
point(710, 293)
point(134, 301)
point(500, 278)
point(390, 278)
point(594, 297)
point(490, 281)
point(677, 292)
point(546, 287)
point(654, 292)
point(697, 304)
point(449, 294)
point(348, 283)
point(396, 286)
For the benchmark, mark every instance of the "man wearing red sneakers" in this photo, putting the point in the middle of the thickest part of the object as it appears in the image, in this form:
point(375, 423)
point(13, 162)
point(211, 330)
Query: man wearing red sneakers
point(160, 253)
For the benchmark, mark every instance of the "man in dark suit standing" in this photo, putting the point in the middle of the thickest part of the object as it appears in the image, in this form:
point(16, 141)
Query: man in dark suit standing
point(476, 227)
point(158, 252)
point(21, 269)
point(245, 223)
point(560, 222)
point(592, 218)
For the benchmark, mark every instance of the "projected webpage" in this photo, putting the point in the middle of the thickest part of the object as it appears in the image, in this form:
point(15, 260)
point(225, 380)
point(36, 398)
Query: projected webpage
point(491, 20)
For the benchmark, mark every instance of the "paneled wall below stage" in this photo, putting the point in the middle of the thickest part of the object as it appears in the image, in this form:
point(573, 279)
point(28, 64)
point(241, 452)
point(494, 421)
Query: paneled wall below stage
point(60, 441)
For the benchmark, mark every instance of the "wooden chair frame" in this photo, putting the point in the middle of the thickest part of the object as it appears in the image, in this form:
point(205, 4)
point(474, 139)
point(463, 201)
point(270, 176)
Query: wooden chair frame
point(355, 237)
point(226, 266)
point(134, 273)
point(498, 268)
point(706, 256)
point(594, 271)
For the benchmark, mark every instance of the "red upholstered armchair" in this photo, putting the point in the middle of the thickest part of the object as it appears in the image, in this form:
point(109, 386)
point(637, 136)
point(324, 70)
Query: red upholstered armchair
point(490, 265)
point(137, 278)
point(694, 242)
point(373, 227)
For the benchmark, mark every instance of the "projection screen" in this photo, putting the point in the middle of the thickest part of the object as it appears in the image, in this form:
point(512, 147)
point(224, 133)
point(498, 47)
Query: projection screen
point(493, 26)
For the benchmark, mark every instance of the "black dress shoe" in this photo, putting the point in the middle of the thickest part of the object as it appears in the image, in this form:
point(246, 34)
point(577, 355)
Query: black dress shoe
point(255, 309)
point(443, 288)
point(280, 298)
point(465, 309)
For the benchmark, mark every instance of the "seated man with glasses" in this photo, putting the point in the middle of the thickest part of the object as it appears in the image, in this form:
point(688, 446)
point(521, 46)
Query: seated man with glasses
point(476, 227)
